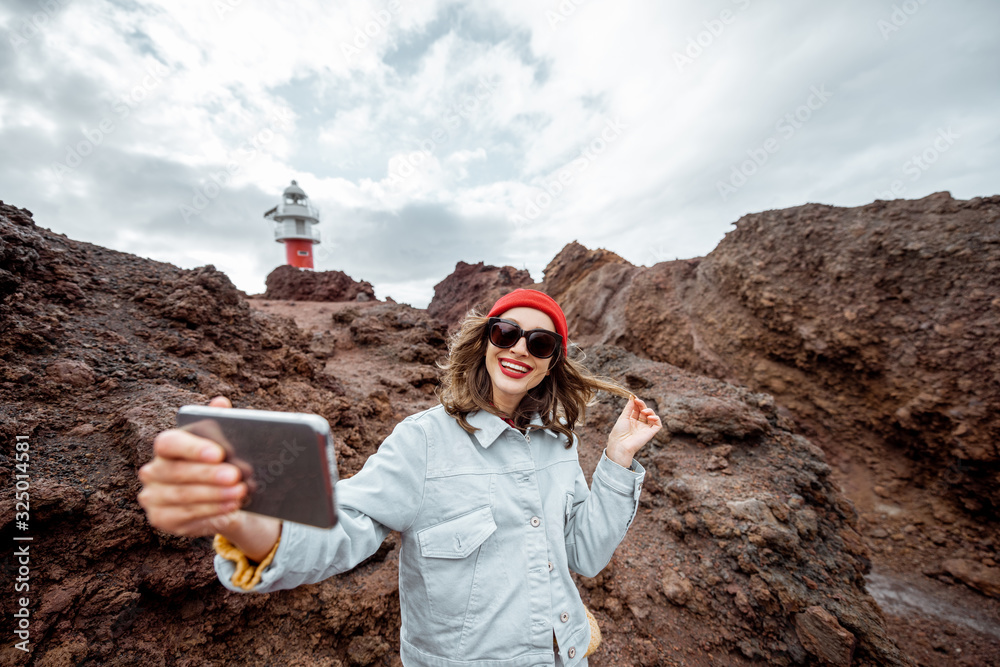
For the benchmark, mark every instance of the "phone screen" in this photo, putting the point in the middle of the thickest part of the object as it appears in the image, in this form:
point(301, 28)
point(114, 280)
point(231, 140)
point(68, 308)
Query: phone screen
point(287, 459)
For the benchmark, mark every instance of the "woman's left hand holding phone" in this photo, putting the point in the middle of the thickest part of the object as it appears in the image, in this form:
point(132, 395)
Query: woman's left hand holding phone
point(189, 490)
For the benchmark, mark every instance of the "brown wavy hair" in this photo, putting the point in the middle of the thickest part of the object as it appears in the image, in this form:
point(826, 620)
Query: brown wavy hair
point(560, 399)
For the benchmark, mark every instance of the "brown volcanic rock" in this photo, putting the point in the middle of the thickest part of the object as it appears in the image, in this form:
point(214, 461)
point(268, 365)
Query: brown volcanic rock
point(587, 284)
point(882, 319)
point(573, 265)
point(294, 284)
point(473, 286)
point(91, 379)
point(599, 291)
point(824, 637)
point(975, 575)
point(897, 319)
point(740, 530)
point(728, 558)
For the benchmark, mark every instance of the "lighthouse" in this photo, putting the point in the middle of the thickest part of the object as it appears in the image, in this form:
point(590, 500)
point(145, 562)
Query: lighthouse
point(294, 218)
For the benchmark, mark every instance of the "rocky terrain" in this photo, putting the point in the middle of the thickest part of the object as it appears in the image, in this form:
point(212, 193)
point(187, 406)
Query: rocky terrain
point(877, 330)
point(747, 549)
point(473, 286)
point(291, 283)
point(878, 324)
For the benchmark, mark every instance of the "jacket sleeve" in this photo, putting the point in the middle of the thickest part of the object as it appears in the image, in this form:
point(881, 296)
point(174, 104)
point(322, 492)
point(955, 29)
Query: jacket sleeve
point(600, 516)
point(384, 496)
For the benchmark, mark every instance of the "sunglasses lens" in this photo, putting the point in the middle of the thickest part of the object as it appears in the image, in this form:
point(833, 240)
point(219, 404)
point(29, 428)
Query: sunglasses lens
point(504, 334)
point(541, 344)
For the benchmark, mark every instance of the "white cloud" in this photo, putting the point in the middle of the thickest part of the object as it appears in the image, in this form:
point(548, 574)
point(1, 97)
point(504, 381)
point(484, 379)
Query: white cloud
point(408, 122)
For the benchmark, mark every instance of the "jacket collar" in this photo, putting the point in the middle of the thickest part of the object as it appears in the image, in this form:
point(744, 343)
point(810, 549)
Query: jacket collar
point(489, 427)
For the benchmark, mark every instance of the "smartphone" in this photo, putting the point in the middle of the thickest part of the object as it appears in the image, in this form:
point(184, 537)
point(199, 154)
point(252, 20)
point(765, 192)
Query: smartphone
point(287, 459)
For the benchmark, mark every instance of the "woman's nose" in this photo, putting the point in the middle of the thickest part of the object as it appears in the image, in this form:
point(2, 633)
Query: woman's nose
point(521, 346)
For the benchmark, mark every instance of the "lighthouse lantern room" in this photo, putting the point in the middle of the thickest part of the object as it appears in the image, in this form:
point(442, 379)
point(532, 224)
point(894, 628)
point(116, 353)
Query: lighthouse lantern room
point(294, 218)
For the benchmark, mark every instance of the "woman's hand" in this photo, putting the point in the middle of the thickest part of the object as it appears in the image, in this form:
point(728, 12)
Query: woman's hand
point(189, 490)
point(636, 426)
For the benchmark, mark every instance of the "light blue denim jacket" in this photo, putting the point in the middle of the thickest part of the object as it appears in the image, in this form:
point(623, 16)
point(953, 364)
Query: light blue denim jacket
point(491, 525)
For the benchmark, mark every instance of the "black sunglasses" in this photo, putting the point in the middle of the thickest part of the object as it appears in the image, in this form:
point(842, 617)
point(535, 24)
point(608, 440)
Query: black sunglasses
point(541, 343)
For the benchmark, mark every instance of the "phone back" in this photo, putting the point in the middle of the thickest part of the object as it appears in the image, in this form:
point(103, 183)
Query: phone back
point(287, 459)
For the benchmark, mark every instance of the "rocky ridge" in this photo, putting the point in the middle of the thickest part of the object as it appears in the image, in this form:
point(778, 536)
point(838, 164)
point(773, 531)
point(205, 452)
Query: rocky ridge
point(744, 551)
point(294, 284)
point(881, 321)
point(472, 286)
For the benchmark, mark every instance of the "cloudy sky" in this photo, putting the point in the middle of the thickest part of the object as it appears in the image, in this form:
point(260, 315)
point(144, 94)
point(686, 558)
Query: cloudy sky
point(499, 130)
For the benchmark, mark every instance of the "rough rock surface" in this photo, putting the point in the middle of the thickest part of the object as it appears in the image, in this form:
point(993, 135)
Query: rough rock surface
point(294, 284)
point(97, 350)
point(824, 637)
point(877, 329)
point(473, 286)
point(879, 321)
point(729, 556)
point(741, 528)
point(973, 574)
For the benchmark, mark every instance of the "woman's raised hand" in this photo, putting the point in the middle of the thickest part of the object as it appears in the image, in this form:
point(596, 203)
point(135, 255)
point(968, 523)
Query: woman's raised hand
point(636, 426)
point(188, 489)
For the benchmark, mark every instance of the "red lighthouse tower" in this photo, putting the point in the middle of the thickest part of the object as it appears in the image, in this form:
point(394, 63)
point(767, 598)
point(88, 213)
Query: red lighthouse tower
point(294, 218)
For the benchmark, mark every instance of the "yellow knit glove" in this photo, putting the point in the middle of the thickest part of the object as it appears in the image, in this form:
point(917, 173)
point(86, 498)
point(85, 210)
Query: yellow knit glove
point(246, 575)
point(595, 634)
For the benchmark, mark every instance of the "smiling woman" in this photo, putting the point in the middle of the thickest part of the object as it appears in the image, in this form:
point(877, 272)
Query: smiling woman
point(486, 490)
point(499, 374)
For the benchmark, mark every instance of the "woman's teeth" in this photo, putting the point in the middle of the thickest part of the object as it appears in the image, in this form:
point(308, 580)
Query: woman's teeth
point(517, 368)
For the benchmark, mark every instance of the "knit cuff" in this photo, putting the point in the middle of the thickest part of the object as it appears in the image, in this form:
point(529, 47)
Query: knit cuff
point(247, 575)
point(595, 634)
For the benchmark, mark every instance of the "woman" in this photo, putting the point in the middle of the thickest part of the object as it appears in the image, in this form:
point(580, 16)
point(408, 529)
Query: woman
point(485, 489)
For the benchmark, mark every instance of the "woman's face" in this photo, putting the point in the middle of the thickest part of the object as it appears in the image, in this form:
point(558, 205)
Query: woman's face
point(514, 371)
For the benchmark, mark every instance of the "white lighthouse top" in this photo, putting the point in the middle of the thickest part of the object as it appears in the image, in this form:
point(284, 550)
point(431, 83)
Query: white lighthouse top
point(295, 205)
point(294, 191)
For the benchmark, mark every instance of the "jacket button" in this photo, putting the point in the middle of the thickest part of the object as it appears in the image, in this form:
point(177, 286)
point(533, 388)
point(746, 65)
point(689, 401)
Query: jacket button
point(535, 521)
point(564, 617)
point(550, 566)
point(571, 652)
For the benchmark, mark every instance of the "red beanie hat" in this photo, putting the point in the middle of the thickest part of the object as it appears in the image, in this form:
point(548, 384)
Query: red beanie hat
point(530, 298)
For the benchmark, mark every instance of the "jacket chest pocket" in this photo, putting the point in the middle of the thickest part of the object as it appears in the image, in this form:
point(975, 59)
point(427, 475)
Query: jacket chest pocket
point(450, 561)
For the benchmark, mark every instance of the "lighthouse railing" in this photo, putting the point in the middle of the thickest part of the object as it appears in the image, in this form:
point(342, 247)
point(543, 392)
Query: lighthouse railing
point(308, 234)
point(304, 210)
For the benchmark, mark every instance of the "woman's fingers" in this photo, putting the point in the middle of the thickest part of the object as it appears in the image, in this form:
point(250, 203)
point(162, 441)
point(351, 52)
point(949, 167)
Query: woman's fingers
point(212, 525)
point(636, 409)
point(636, 426)
point(179, 444)
point(633, 408)
point(188, 488)
point(153, 495)
point(168, 471)
point(220, 402)
point(192, 520)
point(629, 408)
point(650, 418)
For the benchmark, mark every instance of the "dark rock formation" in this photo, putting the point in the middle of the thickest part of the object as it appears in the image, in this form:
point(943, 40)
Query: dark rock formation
point(742, 532)
point(824, 637)
point(97, 350)
point(743, 551)
point(879, 320)
point(473, 286)
point(294, 284)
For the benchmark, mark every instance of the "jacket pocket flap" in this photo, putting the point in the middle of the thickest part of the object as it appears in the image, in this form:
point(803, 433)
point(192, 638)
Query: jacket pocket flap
point(458, 537)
